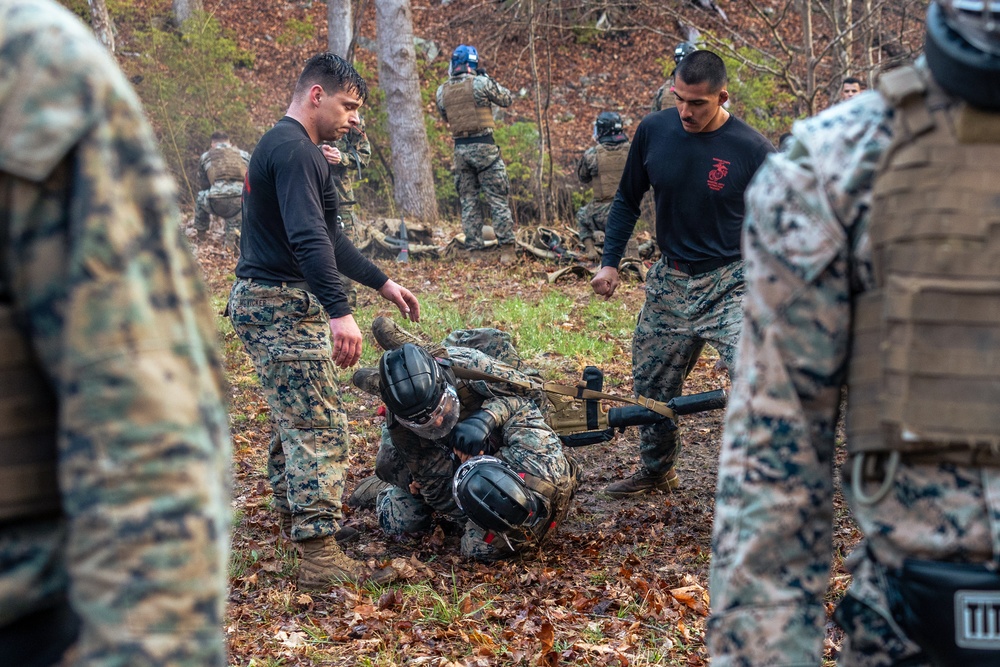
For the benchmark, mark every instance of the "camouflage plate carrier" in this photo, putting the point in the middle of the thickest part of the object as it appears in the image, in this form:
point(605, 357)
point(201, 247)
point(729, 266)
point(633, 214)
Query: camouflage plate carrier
point(465, 118)
point(610, 165)
point(925, 371)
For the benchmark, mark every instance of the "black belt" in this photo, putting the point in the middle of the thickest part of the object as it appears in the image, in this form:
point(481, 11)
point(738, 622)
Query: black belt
point(295, 284)
point(697, 268)
point(482, 139)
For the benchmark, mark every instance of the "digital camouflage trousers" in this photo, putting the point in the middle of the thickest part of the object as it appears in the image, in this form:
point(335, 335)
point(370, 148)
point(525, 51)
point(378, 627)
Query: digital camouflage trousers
point(223, 200)
point(286, 333)
point(479, 168)
point(681, 314)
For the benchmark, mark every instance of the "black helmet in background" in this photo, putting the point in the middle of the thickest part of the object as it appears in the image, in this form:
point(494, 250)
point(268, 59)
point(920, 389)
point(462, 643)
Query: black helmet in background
point(683, 49)
point(963, 49)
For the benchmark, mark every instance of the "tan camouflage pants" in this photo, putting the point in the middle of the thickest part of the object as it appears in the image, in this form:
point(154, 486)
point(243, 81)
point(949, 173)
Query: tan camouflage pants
point(286, 332)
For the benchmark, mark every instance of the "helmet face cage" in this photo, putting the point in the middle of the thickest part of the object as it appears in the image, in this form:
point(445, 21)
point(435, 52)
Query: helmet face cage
point(491, 494)
point(977, 21)
point(441, 419)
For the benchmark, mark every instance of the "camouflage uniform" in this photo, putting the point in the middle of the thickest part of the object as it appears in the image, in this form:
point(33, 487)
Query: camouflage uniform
point(657, 104)
point(525, 441)
point(108, 298)
point(355, 154)
point(479, 167)
point(286, 332)
point(592, 215)
point(222, 190)
point(680, 315)
point(808, 254)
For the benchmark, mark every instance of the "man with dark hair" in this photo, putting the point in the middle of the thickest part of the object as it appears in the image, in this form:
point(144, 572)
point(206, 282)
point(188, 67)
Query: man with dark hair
point(221, 171)
point(289, 308)
point(850, 88)
point(698, 159)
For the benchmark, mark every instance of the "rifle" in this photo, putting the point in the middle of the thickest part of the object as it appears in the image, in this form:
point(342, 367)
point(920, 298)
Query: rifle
point(403, 242)
point(579, 417)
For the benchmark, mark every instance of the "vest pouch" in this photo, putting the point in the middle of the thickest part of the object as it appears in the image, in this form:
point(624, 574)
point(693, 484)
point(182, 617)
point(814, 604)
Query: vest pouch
point(951, 610)
point(226, 207)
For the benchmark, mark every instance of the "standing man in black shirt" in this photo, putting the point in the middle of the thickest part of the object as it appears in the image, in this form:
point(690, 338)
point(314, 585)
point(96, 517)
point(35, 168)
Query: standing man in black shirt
point(698, 159)
point(289, 308)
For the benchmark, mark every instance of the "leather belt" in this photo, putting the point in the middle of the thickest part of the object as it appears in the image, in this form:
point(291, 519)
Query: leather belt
point(294, 284)
point(697, 268)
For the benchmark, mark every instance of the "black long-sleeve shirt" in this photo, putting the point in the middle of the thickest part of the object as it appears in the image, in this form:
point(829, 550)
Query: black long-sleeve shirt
point(290, 230)
point(698, 181)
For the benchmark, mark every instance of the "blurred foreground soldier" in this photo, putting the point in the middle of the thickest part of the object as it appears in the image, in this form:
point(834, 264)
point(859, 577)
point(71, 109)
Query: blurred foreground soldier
point(220, 176)
point(698, 159)
point(348, 156)
point(114, 452)
point(683, 49)
point(465, 101)
point(289, 308)
point(601, 164)
point(872, 250)
point(467, 450)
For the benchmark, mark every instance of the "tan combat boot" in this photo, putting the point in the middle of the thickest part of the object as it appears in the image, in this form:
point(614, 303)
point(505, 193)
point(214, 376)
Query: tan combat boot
point(590, 251)
point(508, 253)
point(367, 492)
point(391, 336)
point(325, 564)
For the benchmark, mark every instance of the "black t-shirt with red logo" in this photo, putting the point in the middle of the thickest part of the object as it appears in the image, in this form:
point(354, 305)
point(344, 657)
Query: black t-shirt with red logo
point(698, 181)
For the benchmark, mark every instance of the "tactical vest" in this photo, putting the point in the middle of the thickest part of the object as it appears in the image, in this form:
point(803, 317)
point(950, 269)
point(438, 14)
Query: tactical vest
point(225, 164)
point(28, 419)
point(464, 117)
point(925, 367)
point(610, 165)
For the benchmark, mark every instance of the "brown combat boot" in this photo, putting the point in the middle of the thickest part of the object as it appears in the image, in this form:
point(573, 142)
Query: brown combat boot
point(367, 380)
point(391, 336)
point(325, 564)
point(508, 253)
point(366, 492)
point(642, 482)
point(590, 250)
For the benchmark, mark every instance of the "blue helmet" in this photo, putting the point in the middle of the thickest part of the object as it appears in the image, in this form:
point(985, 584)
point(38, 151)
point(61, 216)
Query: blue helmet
point(464, 56)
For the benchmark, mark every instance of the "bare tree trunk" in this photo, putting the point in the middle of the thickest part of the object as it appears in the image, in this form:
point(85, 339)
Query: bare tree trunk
point(542, 213)
point(100, 20)
point(340, 26)
point(810, 54)
point(413, 182)
point(185, 9)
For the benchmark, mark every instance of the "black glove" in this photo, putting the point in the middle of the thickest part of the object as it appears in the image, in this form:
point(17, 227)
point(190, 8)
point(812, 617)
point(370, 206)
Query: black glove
point(470, 435)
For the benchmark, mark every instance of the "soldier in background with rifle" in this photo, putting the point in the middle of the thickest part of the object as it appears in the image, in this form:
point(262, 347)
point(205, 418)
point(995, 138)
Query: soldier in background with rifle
point(471, 435)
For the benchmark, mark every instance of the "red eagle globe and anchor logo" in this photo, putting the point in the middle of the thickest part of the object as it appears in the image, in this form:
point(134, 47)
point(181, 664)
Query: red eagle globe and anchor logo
point(719, 171)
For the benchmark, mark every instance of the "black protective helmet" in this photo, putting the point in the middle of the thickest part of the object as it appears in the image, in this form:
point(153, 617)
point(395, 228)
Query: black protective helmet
point(683, 49)
point(607, 123)
point(495, 497)
point(416, 391)
point(963, 49)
